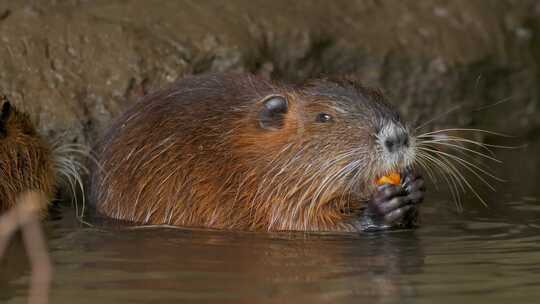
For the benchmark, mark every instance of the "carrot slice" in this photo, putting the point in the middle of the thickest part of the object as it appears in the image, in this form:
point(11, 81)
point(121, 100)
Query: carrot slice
point(392, 178)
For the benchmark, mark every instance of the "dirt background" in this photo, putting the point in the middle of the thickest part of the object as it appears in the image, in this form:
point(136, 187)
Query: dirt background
point(74, 65)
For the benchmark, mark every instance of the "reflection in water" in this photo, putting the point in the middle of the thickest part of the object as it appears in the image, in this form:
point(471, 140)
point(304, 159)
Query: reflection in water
point(154, 264)
point(483, 255)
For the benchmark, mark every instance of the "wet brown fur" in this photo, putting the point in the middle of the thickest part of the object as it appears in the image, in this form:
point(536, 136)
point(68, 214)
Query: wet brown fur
point(195, 155)
point(26, 162)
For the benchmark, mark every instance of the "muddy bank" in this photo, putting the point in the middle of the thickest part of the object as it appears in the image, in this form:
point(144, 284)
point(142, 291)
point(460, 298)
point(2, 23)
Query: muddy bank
point(76, 64)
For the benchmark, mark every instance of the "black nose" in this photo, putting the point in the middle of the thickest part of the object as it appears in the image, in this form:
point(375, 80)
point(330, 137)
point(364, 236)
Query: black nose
point(396, 142)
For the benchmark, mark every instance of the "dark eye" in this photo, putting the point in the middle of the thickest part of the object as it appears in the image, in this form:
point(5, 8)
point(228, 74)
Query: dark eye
point(323, 117)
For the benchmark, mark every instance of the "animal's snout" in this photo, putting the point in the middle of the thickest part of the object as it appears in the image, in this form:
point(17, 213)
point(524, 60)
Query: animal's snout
point(396, 142)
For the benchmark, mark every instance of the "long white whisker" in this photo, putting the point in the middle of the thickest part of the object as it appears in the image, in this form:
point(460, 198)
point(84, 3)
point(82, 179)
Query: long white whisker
point(466, 129)
point(422, 162)
point(451, 110)
point(456, 171)
point(451, 180)
point(460, 160)
point(448, 138)
point(460, 148)
point(474, 172)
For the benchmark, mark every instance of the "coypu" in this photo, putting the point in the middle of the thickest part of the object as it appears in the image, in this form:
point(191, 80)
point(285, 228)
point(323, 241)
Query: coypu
point(235, 151)
point(26, 161)
point(30, 163)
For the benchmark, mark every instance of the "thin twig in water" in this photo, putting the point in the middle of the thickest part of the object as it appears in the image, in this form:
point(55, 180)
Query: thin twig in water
point(25, 216)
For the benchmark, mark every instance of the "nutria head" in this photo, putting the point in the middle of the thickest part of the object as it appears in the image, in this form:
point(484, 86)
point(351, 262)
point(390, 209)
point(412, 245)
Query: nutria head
point(25, 159)
point(236, 151)
point(365, 123)
point(318, 148)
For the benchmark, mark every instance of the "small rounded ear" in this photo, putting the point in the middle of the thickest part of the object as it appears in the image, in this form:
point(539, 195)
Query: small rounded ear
point(4, 116)
point(272, 113)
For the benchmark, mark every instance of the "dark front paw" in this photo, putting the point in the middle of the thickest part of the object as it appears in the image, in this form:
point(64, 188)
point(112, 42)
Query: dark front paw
point(394, 206)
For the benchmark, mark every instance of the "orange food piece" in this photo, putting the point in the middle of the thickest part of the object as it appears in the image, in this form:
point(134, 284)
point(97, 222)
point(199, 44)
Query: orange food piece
point(392, 178)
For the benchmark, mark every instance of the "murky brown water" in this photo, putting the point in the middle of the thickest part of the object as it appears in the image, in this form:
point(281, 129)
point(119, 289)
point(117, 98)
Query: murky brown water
point(483, 255)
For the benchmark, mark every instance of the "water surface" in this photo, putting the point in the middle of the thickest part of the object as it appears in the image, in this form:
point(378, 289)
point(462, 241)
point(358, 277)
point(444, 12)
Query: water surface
point(481, 255)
